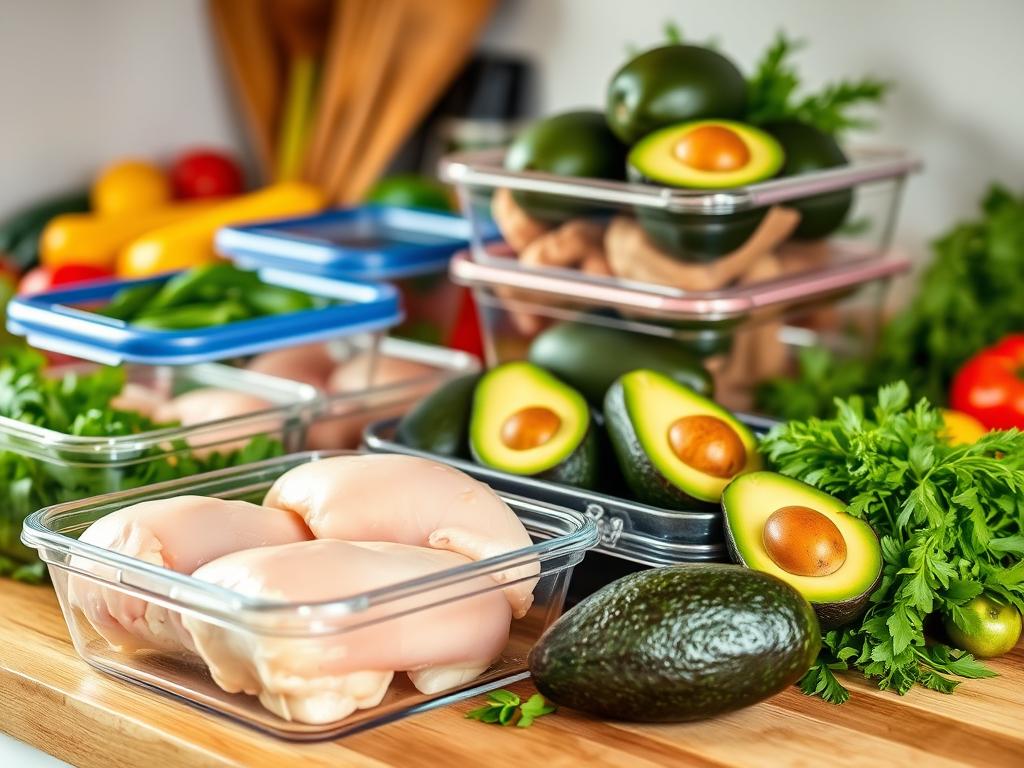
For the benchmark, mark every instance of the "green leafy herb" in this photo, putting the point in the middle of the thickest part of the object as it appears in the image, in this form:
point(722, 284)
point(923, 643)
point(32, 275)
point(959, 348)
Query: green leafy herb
point(79, 404)
point(774, 85)
point(936, 508)
point(970, 296)
point(501, 709)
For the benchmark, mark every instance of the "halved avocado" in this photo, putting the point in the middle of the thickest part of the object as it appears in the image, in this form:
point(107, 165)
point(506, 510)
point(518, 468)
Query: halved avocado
point(707, 154)
point(527, 422)
point(792, 530)
point(674, 447)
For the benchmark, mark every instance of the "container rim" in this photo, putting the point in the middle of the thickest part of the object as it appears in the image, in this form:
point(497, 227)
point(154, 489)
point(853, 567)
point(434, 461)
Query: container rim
point(485, 169)
point(300, 395)
point(567, 533)
point(672, 303)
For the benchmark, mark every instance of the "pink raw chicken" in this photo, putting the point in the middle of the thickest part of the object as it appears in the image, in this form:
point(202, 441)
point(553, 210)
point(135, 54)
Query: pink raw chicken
point(212, 404)
point(325, 678)
point(308, 363)
point(408, 500)
point(138, 398)
point(181, 534)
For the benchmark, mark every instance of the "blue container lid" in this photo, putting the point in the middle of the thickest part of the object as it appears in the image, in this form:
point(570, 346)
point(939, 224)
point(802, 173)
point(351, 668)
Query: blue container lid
point(370, 242)
point(57, 321)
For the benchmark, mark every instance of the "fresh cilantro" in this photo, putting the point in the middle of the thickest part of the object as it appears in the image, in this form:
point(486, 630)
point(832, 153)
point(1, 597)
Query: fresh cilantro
point(772, 93)
point(937, 508)
point(501, 709)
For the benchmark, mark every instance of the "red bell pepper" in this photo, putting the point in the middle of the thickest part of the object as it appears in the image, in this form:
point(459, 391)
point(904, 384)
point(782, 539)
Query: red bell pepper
point(990, 386)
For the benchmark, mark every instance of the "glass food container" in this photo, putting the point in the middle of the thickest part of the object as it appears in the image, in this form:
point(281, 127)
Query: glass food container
point(44, 467)
point(741, 334)
point(649, 233)
point(560, 536)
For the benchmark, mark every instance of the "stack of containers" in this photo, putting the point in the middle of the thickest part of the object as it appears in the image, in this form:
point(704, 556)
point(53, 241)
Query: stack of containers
point(715, 296)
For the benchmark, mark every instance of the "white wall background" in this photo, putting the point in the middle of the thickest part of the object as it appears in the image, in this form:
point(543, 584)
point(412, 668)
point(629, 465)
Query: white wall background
point(84, 81)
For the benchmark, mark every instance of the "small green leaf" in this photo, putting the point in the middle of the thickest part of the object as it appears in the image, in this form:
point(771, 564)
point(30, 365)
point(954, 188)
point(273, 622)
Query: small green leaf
point(503, 697)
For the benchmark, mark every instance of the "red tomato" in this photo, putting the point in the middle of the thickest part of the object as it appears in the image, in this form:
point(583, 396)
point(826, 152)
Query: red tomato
point(989, 386)
point(206, 173)
point(43, 279)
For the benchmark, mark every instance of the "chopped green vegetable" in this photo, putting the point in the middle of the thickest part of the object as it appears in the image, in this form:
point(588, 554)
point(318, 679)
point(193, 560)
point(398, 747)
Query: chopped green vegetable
point(773, 93)
point(501, 709)
point(969, 297)
point(79, 404)
point(937, 509)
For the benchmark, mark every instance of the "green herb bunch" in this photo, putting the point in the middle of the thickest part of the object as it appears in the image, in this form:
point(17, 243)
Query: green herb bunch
point(79, 404)
point(951, 524)
point(776, 80)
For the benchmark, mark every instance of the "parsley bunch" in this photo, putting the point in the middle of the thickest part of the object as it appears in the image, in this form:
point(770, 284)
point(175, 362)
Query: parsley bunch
point(951, 524)
point(506, 708)
point(773, 93)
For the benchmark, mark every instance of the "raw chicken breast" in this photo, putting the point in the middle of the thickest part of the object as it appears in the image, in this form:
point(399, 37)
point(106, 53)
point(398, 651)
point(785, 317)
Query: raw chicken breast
point(181, 534)
point(408, 500)
point(212, 404)
point(138, 398)
point(343, 427)
point(309, 363)
point(324, 679)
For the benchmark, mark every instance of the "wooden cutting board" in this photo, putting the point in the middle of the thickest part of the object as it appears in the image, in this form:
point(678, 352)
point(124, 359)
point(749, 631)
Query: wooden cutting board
point(54, 701)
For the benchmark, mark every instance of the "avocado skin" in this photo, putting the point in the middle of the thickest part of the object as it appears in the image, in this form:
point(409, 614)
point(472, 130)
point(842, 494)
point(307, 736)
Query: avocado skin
point(579, 468)
point(642, 477)
point(590, 358)
point(699, 238)
point(673, 84)
point(577, 144)
point(809, 149)
point(439, 423)
point(675, 644)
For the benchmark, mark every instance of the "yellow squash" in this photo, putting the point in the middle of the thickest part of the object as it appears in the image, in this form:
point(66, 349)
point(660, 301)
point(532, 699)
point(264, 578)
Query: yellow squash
point(94, 240)
point(190, 243)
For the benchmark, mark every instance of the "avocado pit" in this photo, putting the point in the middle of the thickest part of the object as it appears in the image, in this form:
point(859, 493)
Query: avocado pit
point(712, 148)
point(708, 444)
point(529, 428)
point(804, 542)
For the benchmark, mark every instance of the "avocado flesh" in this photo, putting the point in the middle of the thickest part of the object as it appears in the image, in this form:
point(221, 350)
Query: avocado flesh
point(673, 84)
point(439, 423)
point(591, 357)
point(575, 144)
point(676, 644)
point(839, 597)
point(654, 157)
point(569, 456)
point(640, 409)
point(808, 149)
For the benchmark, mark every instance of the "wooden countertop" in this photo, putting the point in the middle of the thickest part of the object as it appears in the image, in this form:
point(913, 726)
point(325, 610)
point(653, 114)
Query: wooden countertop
point(54, 701)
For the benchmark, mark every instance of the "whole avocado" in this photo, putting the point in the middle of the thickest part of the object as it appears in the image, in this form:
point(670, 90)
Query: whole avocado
point(676, 644)
point(439, 423)
point(809, 149)
point(673, 84)
point(577, 144)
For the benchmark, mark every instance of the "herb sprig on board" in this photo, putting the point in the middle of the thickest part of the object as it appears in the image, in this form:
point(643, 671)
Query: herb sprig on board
point(773, 93)
point(506, 708)
point(951, 524)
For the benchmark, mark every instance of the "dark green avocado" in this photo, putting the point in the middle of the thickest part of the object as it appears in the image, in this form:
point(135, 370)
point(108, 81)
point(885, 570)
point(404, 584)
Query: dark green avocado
point(439, 423)
point(808, 149)
point(697, 237)
point(577, 144)
point(673, 84)
point(674, 447)
point(803, 536)
point(675, 644)
point(590, 357)
point(526, 422)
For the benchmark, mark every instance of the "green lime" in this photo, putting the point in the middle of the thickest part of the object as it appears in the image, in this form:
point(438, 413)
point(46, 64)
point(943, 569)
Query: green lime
point(998, 629)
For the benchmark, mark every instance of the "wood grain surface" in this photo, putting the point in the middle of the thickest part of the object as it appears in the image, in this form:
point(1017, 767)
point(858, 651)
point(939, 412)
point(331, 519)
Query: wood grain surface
point(54, 701)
